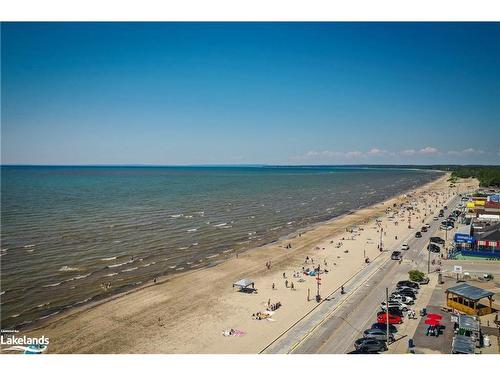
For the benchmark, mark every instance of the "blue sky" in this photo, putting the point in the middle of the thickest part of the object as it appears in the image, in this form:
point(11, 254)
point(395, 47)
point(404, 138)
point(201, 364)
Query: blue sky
point(236, 93)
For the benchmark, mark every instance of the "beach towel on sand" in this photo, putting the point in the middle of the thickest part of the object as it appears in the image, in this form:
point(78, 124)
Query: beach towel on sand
point(236, 333)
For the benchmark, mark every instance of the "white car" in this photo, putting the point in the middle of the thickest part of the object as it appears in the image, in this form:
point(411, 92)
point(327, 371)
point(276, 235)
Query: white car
point(435, 218)
point(427, 225)
point(405, 246)
point(401, 306)
point(403, 299)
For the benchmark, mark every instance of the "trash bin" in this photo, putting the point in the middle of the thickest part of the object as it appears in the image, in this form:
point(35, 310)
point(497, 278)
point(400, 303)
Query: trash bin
point(486, 341)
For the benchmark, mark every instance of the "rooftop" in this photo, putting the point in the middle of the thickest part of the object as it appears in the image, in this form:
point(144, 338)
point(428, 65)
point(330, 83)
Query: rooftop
point(468, 322)
point(470, 292)
point(463, 344)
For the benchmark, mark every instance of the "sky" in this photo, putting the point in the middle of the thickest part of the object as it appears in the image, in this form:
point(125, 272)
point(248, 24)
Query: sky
point(250, 93)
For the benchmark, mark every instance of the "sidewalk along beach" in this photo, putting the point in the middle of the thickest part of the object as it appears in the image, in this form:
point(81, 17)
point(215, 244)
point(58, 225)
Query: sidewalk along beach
point(201, 312)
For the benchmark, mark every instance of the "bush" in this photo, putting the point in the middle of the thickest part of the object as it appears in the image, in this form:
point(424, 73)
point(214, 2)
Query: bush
point(416, 276)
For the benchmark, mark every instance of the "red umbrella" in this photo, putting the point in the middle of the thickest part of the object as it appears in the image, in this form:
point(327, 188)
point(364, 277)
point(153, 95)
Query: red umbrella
point(434, 316)
point(432, 322)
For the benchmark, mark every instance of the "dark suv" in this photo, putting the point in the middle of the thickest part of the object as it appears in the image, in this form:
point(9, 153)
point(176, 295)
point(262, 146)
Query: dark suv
point(418, 235)
point(396, 255)
point(409, 283)
point(370, 345)
point(437, 240)
point(433, 248)
point(383, 327)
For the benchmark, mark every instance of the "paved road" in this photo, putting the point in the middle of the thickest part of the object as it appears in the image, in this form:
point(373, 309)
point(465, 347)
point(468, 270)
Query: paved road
point(351, 317)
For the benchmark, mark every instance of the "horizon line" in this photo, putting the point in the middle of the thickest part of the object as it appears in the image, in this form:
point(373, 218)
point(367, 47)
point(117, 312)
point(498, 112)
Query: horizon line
point(242, 165)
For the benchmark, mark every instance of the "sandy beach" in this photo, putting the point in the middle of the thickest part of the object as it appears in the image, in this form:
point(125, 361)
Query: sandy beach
point(188, 313)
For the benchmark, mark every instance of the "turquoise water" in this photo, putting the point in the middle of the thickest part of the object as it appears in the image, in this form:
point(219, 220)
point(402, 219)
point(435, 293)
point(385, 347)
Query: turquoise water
point(66, 231)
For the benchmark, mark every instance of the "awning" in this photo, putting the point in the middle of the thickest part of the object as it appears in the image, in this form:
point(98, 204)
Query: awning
point(470, 292)
point(243, 283)
point(468, 323)
point(463, 345)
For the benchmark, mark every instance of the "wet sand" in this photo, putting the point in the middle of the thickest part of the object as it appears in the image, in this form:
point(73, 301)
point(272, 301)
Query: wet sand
point(189, 312)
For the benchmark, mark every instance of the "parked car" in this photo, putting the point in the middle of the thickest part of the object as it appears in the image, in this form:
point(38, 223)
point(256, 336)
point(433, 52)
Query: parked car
point(403, 288)
point(370, 345)
point(405, 247)
point(435, 218)
point(394, 305)
point(423, 229)
point(409, 283)
point(433, 248)
point(393, 319)
point(441, 214)
point(396, 255)
point(383, 327)
point(377, 334)
point(428, 225)
point(406, 293)
point(445, 207)
point(404, 299)
point(418, 235)
point(438, 240)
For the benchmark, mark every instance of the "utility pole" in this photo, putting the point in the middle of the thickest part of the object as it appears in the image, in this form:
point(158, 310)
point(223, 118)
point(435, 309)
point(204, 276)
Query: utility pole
point(318, 296)
point(387, 312)
point(429, 258)
point(381, 243)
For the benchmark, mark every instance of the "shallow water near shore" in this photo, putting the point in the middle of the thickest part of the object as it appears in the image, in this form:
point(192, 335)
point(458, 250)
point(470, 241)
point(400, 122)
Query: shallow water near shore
point(71, 235)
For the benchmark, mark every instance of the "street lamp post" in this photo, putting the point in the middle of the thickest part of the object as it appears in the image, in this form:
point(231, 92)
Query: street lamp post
point(381, 234)
point(429, 258)
point(318, 296)
point(387, 313)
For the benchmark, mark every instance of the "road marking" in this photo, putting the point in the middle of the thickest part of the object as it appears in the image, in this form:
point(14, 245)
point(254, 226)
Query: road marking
point(417, 253)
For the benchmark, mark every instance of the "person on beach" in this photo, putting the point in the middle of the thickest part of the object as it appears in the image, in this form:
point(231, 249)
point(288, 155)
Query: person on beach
point(286, 283)
point(274, 286)
point(292, 286)
point(284, 276)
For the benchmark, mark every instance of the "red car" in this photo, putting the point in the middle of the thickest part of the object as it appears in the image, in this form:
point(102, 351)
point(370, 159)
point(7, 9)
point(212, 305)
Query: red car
point(393, 319)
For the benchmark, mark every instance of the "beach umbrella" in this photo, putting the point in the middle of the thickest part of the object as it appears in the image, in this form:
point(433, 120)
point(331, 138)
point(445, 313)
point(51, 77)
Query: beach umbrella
point(432, 322)
point(434, 316)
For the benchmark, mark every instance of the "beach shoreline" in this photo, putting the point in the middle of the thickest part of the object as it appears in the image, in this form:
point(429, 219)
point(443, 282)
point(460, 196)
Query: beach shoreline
point(167, 277)
point(354, 217)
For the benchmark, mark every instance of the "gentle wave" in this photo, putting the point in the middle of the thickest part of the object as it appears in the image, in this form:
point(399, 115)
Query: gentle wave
point(68, 269)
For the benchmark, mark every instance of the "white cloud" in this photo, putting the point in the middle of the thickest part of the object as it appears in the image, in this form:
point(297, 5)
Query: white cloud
point(408, 152)
point(469, 151)
point(376, 151)
point(353, 154)
point(428, 151)
point(330, 156)
point(466, 152)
